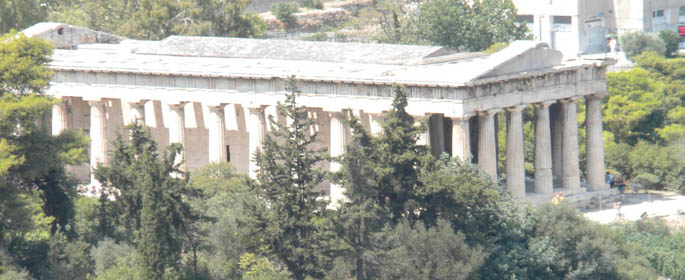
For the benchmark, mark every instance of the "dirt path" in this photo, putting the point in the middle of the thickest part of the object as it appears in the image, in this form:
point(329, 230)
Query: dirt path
point(666, 205)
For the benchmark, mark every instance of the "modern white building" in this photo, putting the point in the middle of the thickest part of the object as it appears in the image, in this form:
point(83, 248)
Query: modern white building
point(581, 26)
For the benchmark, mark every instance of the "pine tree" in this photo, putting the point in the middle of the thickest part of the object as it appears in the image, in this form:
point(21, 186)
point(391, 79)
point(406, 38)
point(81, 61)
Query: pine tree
point(399, 161)
point(360, 218)
point(149, 200)
point(294, 228)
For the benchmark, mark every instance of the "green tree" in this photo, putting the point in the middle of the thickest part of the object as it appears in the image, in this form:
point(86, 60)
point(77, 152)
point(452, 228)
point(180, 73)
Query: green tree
point(435, 253)
point(469, 25)
point(360, 219)
point(149, 198)
point(36, 191)
point(634, 43)
point(19, 14)
point(284, 12)
point(294, 227)
point(217, 242)
point(158, 19)
point(398, 161)
point(671, 41)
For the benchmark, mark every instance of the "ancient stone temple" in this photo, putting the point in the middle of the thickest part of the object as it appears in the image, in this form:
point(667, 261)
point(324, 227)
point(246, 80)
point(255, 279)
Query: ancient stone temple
point(214, 95)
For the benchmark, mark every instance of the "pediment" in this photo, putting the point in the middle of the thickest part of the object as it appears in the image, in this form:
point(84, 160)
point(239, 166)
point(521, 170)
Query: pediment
point(522, 56)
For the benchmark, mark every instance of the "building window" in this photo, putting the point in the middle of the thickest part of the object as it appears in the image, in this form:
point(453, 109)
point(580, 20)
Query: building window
point(561, 20)
point(681, 14)
point(658, 13)
point(525, 18)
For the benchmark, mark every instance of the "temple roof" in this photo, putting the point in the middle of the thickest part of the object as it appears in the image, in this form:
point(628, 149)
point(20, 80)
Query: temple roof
point(310, 60)
point(294, 50)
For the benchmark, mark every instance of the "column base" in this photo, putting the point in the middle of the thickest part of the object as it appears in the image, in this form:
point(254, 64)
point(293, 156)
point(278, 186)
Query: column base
point(570, 182)
point(544, 181)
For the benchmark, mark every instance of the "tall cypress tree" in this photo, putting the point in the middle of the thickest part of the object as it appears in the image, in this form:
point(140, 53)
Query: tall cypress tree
point(149, 199)
point(360, 217)
point(294, 228)
point(399, 160)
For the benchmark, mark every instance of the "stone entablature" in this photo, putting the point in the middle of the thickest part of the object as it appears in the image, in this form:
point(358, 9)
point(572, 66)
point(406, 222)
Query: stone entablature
point(475, 96)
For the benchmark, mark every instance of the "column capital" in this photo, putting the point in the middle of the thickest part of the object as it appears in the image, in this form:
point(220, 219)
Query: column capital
point(544, 104)
point(463, 117)
point(136, 101)
point(517, 108)
point(569, 100)
point(489, 112)
point(179, 105)
point(596, 96)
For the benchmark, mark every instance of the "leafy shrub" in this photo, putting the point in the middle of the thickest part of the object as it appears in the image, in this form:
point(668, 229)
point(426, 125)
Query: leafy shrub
point(313, 4)
point(634, 43)
point(435, 253)
point(284, 12)
point(108, 252)
point(663, 248)
point(671, 41)
point(496, 47)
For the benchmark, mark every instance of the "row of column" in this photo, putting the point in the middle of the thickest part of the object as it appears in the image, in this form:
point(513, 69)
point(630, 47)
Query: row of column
point(556, 140)
point(176, 113)
point(556, 151)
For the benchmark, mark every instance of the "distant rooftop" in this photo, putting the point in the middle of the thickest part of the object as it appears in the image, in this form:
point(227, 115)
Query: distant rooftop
point(295, 50)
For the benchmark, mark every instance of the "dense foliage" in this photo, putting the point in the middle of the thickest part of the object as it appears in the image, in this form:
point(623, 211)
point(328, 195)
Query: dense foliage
point(635, 43)
point(407, 214)
point(139, 19)
point(645, 124)
point(459, 24)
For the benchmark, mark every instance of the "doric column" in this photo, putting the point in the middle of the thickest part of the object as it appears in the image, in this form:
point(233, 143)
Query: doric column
point(569, 146)
point(516, 182)
point(337, 148)
point(137, 113)
point(543, 150)
point(556, 128)
point(256, 131)
point(594, 147)
point(375, 121)
point(215, 125)
point(177, 130)
point(487, 156)
point(98, 143)
point(150, 113)
point(436, 127)
point(60, 118)
point(461, 141)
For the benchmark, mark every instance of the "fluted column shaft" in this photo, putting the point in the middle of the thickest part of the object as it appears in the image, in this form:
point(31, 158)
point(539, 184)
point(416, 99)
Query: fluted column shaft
point(436, 130)
point(337, 148)
point(594, 147)
point(543, 150)
point(569, 145)
point(256, 131)
point(461, 141)
point(177, 130)
point(98, 142)
point(487, 155)
point(516, 183)
point(217, 132)
point(557, 135)
point(60, 118)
